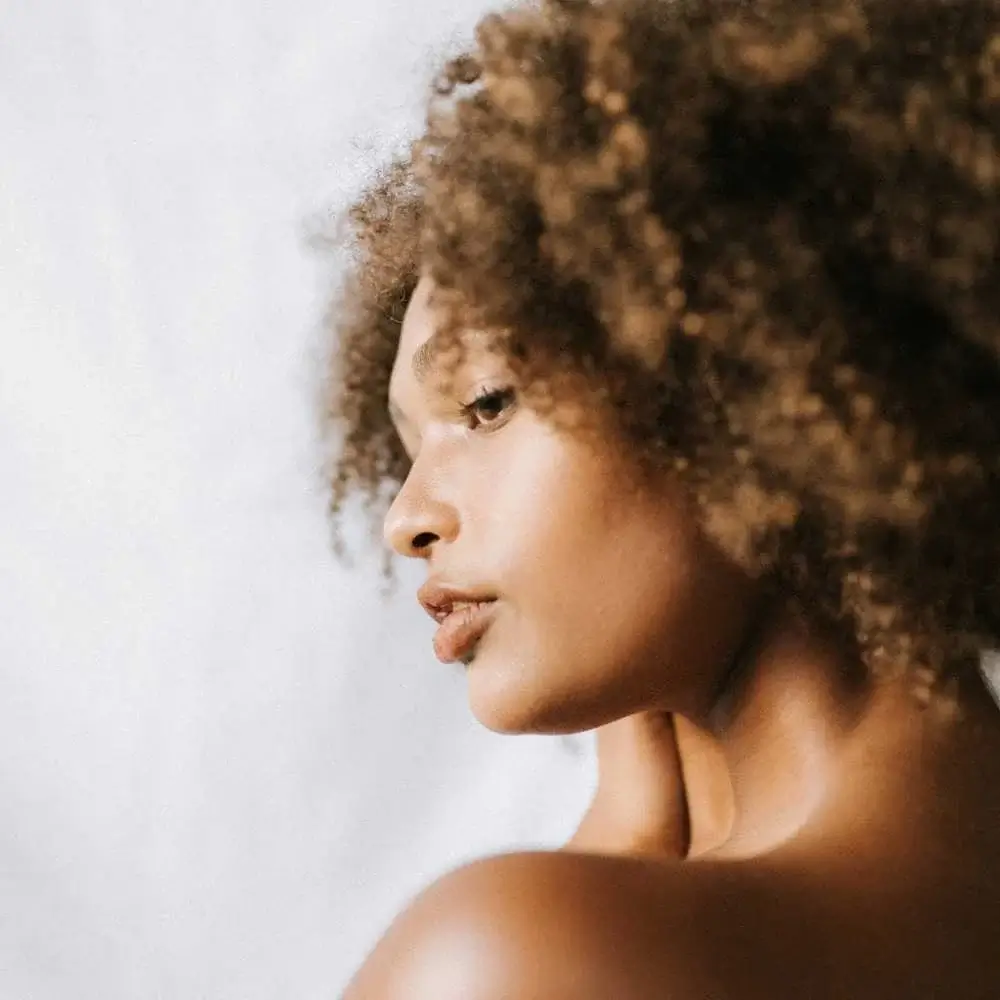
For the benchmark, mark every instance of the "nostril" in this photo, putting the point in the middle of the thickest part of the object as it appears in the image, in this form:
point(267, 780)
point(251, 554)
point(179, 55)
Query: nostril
point(424, 539)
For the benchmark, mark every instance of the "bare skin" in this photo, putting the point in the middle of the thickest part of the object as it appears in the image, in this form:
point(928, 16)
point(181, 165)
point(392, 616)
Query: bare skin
point(780, 830)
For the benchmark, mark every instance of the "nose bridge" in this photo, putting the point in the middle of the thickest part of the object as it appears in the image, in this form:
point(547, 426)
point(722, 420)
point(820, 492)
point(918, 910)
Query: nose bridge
point(420, 515)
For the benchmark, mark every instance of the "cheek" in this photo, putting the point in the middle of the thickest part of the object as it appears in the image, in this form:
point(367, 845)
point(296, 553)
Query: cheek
point(589, 566)
point(546, 512)
point(598, 599)
point(620, 587)
point(584, 639)
point(607, 639)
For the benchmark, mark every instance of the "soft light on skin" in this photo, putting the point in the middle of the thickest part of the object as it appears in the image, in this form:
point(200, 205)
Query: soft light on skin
point(610, 600)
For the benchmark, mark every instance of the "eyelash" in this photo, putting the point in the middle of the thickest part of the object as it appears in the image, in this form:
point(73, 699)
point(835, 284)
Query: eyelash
point(504, 395)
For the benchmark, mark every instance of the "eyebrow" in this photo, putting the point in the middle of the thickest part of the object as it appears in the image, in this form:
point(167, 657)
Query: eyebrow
point(422, 363)
point(423, 358)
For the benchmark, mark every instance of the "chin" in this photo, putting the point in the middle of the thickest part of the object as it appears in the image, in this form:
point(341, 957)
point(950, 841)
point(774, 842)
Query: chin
point(503, 700)
point(508, 721)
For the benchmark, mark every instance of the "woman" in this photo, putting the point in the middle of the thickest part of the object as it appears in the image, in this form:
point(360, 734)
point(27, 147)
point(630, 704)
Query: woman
point(675, 338)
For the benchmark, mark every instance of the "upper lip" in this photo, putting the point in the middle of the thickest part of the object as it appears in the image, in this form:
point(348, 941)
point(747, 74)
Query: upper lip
point(439, 599)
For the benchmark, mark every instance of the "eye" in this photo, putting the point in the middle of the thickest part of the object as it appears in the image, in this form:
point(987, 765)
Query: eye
point(490, 408)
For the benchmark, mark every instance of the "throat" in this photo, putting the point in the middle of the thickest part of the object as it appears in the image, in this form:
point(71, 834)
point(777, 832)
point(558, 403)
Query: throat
point(708, 789)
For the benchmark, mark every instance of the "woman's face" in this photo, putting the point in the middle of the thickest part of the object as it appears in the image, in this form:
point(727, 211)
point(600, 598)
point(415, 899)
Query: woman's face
point(608, 599)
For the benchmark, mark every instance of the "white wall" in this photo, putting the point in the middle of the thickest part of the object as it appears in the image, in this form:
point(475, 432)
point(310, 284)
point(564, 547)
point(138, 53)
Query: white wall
point(224, 764)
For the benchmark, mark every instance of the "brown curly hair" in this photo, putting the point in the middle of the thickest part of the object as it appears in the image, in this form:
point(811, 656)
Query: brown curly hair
point(762, 236)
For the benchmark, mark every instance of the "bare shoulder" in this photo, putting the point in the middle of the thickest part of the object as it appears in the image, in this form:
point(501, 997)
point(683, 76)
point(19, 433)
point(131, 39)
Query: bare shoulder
point(575, 926)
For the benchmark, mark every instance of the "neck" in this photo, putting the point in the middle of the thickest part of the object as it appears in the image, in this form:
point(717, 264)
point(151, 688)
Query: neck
point(779, 721)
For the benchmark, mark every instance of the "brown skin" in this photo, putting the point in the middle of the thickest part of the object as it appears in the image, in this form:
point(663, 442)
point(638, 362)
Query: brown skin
point(598, 587)
point(752, 244)
point(784, 775)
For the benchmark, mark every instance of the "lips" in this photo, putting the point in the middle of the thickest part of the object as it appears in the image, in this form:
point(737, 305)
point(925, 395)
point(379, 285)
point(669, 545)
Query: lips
point(463, 616)
point(459, 633)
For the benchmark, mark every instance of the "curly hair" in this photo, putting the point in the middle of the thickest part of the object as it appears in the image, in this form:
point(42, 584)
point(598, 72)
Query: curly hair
point(761, 236)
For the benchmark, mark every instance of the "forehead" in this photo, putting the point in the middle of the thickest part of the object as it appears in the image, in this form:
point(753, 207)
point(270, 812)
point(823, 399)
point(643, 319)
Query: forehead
point(418, 350)
point(418, 322)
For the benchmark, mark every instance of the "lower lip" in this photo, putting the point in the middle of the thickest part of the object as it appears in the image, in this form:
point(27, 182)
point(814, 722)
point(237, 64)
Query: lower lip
point(458, 634)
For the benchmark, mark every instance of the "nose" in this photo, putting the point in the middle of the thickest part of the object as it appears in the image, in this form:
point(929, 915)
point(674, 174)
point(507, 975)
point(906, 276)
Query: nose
point(417, 520)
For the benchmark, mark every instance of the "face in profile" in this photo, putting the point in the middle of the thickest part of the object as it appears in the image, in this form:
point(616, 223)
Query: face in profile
point(605, 599)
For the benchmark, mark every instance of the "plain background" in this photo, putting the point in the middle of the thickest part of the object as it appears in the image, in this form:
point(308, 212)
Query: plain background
point(225, 763)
